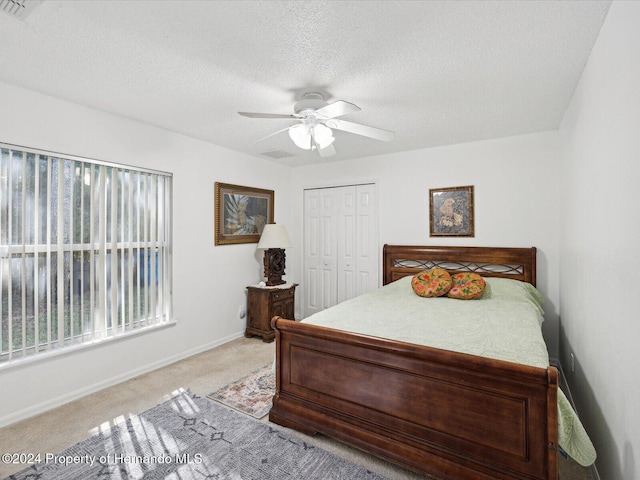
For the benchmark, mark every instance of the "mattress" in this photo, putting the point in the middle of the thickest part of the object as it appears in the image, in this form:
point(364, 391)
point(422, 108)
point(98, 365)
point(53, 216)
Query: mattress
point(504, 324)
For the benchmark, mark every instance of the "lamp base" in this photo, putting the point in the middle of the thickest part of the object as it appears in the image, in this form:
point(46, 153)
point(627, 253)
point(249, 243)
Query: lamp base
point(274, 263)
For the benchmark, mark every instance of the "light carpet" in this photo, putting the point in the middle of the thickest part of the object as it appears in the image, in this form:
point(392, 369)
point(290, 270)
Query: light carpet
point(190, 437)
point(252, 394)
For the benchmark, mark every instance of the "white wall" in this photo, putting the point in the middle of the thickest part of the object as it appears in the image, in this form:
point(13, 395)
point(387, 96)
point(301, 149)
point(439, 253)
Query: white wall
point(516, 199)
point(600, 253)
point(209, 282)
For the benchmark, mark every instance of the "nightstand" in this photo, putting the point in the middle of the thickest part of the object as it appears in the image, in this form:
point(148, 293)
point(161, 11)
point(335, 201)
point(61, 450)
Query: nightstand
point(264, 303)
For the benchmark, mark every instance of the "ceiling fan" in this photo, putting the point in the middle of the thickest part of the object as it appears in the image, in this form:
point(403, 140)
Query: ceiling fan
point(316, 119)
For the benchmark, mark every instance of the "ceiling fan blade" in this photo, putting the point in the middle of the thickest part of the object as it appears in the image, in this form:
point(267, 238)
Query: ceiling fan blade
point(327, 151)
point(337, 109)
point(267, 115)
point(359, 129)
point(269, 136)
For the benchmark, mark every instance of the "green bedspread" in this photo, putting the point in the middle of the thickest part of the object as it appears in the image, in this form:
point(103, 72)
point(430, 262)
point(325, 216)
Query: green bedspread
point(505, 324)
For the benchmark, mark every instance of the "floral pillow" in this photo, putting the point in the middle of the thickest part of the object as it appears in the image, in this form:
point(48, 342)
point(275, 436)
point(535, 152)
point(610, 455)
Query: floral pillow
point(467, 286)
point(431, 283)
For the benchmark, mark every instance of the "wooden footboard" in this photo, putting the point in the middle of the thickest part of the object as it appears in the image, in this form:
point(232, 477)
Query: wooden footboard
point(446, 414)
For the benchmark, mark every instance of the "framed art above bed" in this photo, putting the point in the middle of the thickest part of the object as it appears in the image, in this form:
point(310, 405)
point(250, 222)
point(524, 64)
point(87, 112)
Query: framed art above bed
point(451, 212)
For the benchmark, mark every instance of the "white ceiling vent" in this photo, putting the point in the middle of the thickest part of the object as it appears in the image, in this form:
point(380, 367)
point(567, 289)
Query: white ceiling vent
point(19, 8)
point(276, 154)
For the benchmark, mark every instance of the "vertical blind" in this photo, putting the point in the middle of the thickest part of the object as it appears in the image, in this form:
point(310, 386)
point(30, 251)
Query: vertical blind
point(85, 251)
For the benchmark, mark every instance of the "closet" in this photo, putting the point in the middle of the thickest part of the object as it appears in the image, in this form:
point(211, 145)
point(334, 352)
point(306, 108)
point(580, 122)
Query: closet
point(341, 258)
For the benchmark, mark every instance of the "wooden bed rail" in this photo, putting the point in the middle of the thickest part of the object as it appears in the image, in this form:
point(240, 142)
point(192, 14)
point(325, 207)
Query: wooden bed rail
point(445, 414)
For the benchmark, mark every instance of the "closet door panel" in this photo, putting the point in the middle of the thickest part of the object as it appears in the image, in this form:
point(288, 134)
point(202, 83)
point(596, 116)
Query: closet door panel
point(312, 290)
point(312, 252)
point(320, 251)
point(329, 236)
point(347, 256)
point(366, 232)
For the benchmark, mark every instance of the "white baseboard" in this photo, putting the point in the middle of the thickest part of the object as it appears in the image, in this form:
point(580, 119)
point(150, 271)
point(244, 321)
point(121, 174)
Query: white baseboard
point(567, 392)
point(58, 401)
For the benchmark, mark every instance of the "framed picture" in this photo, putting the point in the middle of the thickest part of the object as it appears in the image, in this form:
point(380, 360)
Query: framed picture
point(241, 213)
point(451, 212)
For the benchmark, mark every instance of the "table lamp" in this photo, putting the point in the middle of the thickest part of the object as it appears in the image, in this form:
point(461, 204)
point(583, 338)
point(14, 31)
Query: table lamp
point(273, 241)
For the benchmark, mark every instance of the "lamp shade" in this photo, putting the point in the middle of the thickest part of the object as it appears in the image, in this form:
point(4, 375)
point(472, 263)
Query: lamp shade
point(274, 236)
point(323, 136)
point(301, 136)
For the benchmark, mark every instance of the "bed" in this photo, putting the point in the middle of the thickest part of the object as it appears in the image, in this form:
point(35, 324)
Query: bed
point(445, 412)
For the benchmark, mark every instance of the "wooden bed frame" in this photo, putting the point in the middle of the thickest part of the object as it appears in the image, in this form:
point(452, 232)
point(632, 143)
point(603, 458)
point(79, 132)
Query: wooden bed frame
point(448, 415)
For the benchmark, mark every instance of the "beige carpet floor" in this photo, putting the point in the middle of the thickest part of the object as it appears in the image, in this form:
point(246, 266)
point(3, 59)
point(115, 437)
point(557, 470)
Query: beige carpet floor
point(53, 431)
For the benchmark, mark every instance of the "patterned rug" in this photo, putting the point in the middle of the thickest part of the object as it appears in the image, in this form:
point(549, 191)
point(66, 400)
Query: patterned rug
point(251, 394)
point(190, 437)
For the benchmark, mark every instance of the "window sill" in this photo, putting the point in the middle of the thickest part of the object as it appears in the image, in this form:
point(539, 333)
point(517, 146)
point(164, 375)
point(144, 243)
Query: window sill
point(48, 355)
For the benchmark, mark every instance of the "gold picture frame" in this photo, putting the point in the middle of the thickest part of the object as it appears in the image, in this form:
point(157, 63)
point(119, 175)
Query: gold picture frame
point(451, 212)
point(241, 213)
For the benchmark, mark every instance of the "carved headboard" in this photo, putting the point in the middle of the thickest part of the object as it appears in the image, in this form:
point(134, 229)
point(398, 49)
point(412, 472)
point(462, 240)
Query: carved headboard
point(515, 263)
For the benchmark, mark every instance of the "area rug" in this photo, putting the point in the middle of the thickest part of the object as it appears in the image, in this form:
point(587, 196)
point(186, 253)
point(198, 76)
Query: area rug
point(190, 437)
point(251, 394)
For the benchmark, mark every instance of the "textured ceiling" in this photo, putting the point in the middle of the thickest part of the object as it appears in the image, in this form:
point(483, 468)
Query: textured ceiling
point(434, 72)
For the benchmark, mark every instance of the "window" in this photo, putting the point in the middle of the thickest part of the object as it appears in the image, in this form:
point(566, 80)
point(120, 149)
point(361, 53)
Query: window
point(85, 251)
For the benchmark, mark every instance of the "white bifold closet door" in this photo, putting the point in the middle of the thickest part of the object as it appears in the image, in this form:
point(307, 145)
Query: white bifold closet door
point(341, 258)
